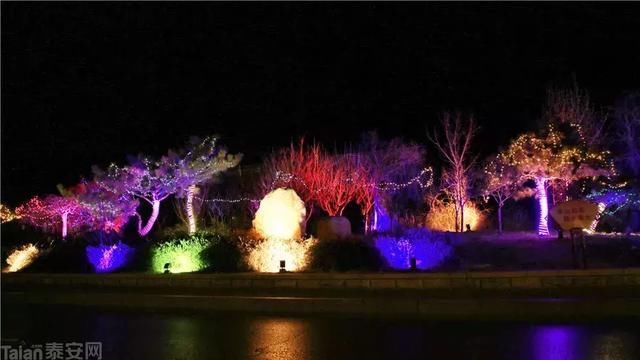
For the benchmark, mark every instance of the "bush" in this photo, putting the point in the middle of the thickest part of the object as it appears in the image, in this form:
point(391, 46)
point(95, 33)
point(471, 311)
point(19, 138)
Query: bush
point(428, 248)
point(179, 255)
point(224, 255)
point(345, 255)
point(64, 257)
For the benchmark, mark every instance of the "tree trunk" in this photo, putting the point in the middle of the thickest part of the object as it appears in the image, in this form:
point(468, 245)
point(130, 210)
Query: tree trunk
point(543, 223)
point(500, 218)
point(64, 224)
point(152, 219)
point(190, 214)
point(462, 217)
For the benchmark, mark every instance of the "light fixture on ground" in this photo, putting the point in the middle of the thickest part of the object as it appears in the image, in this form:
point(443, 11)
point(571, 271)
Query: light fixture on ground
point(283, 266)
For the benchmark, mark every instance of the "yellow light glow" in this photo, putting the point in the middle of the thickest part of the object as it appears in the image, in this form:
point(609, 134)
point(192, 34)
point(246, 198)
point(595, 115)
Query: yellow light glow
point(280, 215)
point(267, 255)
point(21, 258)
point(443, 217)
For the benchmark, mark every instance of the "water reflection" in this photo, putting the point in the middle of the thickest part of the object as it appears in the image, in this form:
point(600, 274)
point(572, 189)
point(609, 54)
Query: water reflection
point(557, 343)
point(166, 335)
point(279, 338)
point(615, 346)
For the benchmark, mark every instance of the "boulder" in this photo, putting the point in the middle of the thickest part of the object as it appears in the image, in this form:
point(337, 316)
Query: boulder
point(331, 228)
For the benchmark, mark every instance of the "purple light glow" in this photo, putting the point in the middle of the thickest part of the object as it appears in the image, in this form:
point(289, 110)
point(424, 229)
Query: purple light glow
point(419, 244)
point(106, 258)
point(381, 219)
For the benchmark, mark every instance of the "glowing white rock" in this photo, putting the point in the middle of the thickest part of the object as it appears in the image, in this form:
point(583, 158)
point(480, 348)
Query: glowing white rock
point(280, 215)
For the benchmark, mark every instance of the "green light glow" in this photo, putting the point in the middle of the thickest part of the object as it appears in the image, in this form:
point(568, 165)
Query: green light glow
point(183, 255)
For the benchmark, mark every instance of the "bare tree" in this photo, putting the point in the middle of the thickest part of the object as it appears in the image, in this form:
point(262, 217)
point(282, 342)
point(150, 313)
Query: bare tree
point(627, 125)
point(455, 146)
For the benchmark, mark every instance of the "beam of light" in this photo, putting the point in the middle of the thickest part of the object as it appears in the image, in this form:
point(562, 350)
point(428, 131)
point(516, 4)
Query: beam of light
point(280, 215)
point(266, 256)
point(543, 222)
point(420, 244)
point(21, 258)
point(182, 255)
point(105, 258)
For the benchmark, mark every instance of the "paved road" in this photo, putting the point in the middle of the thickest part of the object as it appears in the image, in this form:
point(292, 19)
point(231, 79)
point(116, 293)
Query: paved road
point(196, 335)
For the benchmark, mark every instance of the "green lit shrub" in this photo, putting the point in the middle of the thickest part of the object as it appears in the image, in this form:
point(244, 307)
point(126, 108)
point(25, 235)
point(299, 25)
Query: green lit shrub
point(180, 255)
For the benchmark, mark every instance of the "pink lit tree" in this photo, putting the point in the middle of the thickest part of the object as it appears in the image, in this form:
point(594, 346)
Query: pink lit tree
point(54, 212)
point(109, 211)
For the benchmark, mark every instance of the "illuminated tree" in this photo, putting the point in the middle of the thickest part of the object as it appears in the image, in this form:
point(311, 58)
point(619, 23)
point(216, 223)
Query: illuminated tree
point(109, 211)
point(151, 181)
point(319, 178)
point(501, 182)
point(199, 164)
point(54, 212)
point(455, 148)
point(547, 159)
point(154, 181)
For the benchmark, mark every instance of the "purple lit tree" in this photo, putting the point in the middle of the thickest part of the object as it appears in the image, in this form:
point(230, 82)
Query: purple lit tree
point(151, 181)
point(154, 181)
point(200, 163)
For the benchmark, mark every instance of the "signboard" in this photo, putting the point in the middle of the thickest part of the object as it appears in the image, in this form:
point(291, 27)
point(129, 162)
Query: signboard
point(574, 214)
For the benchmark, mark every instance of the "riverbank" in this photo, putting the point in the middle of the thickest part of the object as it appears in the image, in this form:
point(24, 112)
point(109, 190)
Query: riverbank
point(563, 294)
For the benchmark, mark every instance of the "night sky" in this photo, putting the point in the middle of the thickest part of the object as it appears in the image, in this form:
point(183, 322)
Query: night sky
point(88, 83)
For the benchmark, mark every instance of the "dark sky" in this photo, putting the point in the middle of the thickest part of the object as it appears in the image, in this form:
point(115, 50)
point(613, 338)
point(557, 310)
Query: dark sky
point(88, 83)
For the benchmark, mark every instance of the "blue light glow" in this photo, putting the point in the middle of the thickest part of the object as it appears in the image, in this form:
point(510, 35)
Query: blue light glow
point(105, 258)
point(420, 244)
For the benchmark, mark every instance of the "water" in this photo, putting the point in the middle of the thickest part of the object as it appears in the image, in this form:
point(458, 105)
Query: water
point(171, 335)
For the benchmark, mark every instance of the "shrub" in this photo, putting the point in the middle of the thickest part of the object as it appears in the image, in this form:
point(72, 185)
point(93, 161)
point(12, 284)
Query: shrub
point(265, 254)
point(66, 257)
point(345, 255)
point(181, 255)
point(442, 217)
point(21, 257)
point(428, 248)
point(108, 258)
point(224, 254)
